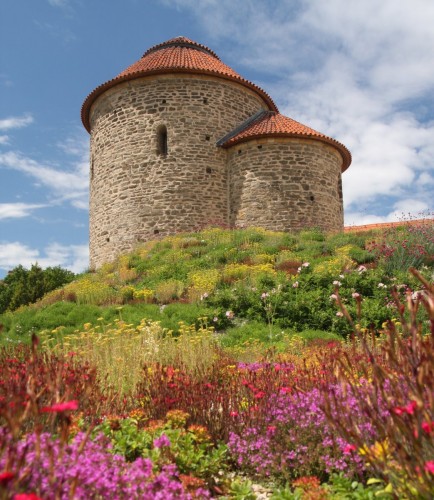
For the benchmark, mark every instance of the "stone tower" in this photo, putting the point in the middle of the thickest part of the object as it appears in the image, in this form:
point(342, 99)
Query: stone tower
point(179, 140)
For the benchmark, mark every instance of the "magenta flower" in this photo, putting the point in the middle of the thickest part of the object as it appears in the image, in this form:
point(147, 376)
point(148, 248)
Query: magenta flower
point(59, 407)
point(163, 440)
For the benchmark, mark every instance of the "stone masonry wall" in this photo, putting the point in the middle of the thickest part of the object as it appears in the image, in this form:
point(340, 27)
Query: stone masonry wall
point(282, 184)
point(137, 193)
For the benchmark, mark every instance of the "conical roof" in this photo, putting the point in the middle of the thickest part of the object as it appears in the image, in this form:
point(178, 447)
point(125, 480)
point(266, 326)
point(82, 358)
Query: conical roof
point(273, 124)
point(177, 55)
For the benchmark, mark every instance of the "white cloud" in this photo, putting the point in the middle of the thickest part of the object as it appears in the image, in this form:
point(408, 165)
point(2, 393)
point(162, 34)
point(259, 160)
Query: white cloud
point(73, 257)
point(4, 139)
point(69, 184)
point(17, 210)
point(58, 3)
point(360, 72)
point(16, 122)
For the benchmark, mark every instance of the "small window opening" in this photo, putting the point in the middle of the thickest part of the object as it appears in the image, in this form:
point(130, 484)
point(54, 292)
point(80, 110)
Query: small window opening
point(162, 140)
point(208, 170)
point(163, 101)
point(340, 188)
point(239, 151)
point(312, 197)
point(207, 137)
point(107, 240)
point(156, 231)
point(260, 146)
point(91, 170)
point(205, 100)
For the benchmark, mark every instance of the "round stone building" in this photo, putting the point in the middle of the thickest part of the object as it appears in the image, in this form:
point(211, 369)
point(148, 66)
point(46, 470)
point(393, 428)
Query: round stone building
point(179, 140)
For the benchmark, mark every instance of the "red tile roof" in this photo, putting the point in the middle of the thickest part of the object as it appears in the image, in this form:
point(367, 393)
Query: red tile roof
point(273, 124)
point(178, 55)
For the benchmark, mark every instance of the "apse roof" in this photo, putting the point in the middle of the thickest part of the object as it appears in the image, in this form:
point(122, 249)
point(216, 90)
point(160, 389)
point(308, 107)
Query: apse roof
point(273, 124)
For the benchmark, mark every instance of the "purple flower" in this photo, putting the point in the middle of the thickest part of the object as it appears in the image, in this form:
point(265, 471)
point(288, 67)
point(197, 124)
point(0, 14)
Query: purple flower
point(161, 441)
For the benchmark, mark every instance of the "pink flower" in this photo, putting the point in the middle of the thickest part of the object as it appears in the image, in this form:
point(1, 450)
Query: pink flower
point(271, 429)
point(409, 409)
point(340, 314)
point(333, 296)
point(234, 414)
point(429, 466)
point(355, 295)
point(349, 448)
point(259, 394)
point(59, 407)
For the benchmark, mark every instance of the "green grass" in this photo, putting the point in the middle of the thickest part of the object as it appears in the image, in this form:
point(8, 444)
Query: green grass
point(109, 293)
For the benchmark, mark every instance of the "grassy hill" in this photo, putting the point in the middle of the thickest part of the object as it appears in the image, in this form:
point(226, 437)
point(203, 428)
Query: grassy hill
point(248, 285)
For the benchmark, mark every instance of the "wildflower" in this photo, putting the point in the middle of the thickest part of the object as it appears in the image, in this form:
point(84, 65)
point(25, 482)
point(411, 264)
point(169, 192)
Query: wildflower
point(409, 409)
point(259, 394)
point(264, 296)
point(361, 269)
point(60, 407)
point(349, 448)
point(27, 496)
point(340, 314)
point(163, 440)
point(215, 319)
point(428, 427)
point(429, 466)
point(333, 296)
point(355, 295)
point(271, 429)
point(229, 314)
point(381, 285)
point(285, 390)
point(6, 477)
point(234, 414)
point(295, 284)
point(337, 283)
point(305, 264)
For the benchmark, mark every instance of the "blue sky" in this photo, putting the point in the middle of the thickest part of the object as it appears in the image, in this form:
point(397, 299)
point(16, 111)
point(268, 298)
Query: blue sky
point(359, 71)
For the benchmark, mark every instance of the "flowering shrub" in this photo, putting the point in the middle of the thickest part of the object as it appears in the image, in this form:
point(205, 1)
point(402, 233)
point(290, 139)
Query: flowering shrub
point(295, 439)
point(84, 469)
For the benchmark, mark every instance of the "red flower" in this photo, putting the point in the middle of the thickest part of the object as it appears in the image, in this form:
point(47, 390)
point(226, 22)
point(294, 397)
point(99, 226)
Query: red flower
point(409, 409)
point(27, 496)
point(285, 390)
point(59, 407)
point(233, 414)
point(259, 394)
point(6, 477)
point(429, 466)
point(428, 427)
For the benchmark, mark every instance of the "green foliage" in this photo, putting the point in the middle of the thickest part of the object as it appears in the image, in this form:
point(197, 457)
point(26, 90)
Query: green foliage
point(25, 286)
point(189, 447)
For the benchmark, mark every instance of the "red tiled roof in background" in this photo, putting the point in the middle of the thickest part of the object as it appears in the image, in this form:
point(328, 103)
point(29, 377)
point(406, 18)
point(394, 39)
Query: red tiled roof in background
point(385, 225)
point(272, 124)
point(178, 55)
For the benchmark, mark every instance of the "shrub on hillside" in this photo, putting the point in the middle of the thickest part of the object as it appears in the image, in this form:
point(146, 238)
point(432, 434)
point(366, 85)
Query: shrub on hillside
point(23, 286)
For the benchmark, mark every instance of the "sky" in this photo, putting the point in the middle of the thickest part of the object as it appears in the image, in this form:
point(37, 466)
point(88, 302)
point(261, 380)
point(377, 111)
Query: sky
point(361, 72)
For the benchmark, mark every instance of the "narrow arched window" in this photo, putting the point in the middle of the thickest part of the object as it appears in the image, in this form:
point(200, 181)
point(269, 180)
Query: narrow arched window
point(162, 140)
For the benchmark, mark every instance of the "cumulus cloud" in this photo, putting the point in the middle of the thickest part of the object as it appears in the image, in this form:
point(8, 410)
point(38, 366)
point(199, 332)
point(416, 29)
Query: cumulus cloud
point(360, 72)
point(67, 184)
point(17, 210)
point(72, 257)
point(16, 122)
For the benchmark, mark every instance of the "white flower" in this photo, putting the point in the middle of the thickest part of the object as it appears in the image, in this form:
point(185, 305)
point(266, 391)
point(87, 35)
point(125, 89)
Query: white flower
point(230, 314)
point(381, 285)
point(361, 269)
point(264, 296)
point(333, 296)
point(337, 283)
point(305, 264)
point(295, 284)
point(340, 314)
point(341, 276)
point(356, 295)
